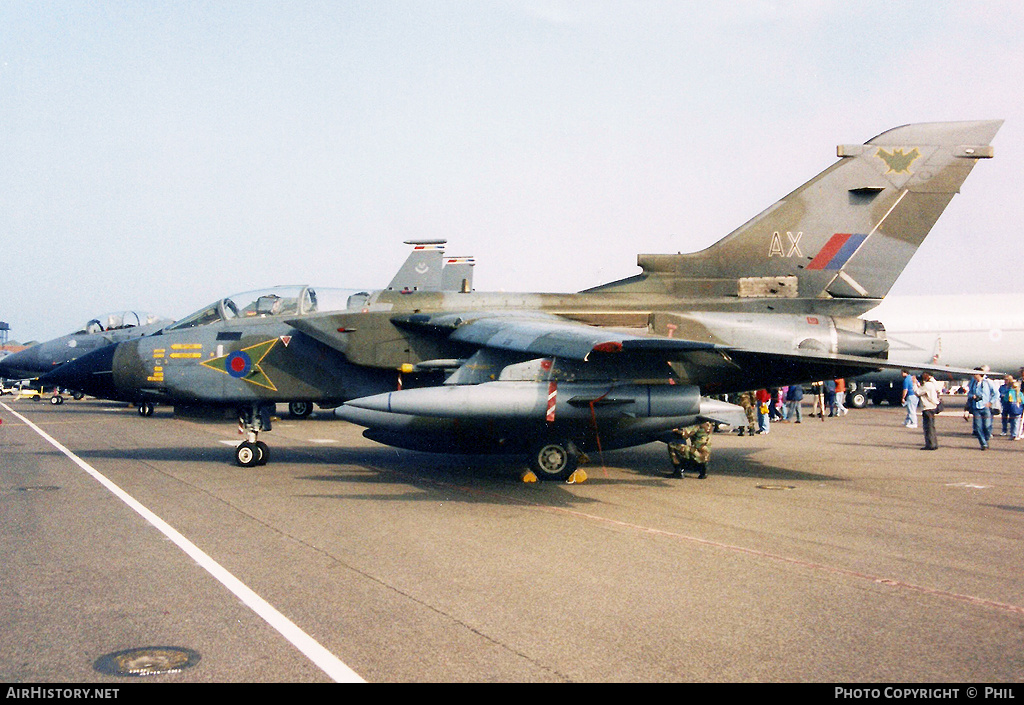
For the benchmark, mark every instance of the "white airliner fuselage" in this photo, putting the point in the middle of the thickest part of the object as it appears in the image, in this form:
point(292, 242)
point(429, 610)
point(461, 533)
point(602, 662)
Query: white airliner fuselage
point(959, 331)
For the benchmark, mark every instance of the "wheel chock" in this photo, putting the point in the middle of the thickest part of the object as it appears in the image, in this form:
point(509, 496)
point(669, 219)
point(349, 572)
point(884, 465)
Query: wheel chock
point(577, 478)
point(529, 476)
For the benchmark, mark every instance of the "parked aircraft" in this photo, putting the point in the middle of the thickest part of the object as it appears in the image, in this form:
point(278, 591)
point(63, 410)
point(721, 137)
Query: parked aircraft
point(98, 332)
point(965, 331)
point(422, 269)
point(438, 368)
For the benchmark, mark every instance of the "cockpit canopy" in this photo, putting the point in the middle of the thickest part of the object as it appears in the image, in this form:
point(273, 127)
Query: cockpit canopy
point(117, 321)
point(276, 301)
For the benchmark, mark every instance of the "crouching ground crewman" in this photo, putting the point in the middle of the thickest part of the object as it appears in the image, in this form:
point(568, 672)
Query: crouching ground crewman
point(692, 451)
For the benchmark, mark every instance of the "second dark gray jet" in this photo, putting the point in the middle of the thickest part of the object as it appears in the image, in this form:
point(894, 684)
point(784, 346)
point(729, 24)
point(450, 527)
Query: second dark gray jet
point(98, 332)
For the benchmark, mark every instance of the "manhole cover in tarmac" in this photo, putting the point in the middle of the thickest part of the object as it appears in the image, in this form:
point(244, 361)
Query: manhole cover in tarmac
point(147, 661)
point(776, 487)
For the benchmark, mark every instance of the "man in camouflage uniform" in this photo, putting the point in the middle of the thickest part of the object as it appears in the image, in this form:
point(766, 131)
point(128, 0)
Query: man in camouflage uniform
point(693, 449)
point(749, 403)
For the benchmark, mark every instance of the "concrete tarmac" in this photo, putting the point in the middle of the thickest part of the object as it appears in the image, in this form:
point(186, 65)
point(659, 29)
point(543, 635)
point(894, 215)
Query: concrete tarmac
point(833, 551)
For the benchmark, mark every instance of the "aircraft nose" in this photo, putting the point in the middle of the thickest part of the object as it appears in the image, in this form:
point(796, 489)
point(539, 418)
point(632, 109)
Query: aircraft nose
point(21, 364)
point(91, 373)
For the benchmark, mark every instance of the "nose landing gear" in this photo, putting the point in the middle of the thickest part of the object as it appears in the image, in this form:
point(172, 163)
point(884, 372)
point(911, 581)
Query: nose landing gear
point(252, 451)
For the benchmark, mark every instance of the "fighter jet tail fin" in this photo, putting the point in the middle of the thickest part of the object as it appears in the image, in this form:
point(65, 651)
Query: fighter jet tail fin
point(845, 234)
point(427, 269)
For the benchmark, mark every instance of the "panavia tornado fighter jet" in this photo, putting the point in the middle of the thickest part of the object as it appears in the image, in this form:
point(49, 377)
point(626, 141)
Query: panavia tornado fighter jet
point(98, 332)
point(430, 364)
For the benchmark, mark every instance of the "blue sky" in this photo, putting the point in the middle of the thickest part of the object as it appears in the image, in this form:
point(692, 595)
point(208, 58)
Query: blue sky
point(160, 155)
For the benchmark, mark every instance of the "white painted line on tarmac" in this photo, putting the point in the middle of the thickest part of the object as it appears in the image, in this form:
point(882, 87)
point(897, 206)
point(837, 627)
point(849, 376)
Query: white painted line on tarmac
point(324, 659)
point(968, 485)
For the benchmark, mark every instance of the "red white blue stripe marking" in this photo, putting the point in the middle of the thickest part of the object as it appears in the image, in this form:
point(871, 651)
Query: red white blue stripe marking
point(837, 251)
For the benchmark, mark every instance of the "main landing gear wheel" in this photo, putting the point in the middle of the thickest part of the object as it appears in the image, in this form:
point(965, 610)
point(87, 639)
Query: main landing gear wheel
point(249, 454)
point(300, 409)
point(554, 460)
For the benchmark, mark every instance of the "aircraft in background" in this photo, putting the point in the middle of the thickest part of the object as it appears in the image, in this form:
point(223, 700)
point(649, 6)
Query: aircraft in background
point(959, 331)
point(98, 332)
point(442, 368)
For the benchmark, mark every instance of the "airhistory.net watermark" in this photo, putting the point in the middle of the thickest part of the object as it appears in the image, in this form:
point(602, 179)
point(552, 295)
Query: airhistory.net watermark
point(62, 693)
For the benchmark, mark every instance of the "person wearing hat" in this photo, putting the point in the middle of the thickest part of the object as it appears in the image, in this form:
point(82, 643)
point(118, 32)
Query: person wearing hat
point(981, 398)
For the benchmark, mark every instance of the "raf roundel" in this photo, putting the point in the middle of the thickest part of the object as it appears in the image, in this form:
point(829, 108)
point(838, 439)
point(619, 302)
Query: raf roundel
point(245, 364)
point(238, 364)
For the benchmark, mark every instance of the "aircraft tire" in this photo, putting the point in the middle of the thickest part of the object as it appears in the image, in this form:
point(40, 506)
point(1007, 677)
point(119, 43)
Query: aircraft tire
point(857, 399)
point(247, 454)
point(554, 460)
point(264, 453)
point(300, 409)
point(145, 408)
point(56, 399)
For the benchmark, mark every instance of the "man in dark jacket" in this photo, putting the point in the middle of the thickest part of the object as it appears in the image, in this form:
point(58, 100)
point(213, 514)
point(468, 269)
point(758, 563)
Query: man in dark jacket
point(795, 400)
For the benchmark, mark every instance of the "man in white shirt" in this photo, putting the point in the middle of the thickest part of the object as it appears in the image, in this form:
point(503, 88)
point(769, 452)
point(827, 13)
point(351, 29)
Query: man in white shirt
point(928, 394)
